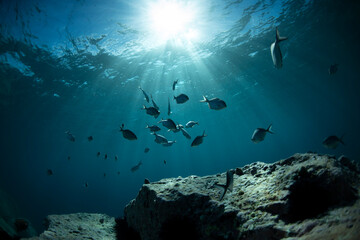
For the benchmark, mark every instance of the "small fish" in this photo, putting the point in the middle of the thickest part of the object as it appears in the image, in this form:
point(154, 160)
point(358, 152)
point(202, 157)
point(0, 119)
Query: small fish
point(146, 150)
point(146, 96)
point(174, 84)
point(198, 140)
point(182, 98)
point(190, 124)
point(214, 103)
point(68, 158)
point(165, 162)
point(118, 173)
point(49, 172)
point(116, 157)
point(136, 167)
point(260, 133)
point(169, 143)
point(169, 108)
point(275, 50)
point(98, 154)
point(70, 136)
point(151, 111)
point(86, 185)
point(90, 138)
point(228, 185)
point(104, 175)
point(159, 138)
point(185, 133)
point(332, 142)
point(169, 124)
point(154, 104)
point(129, 135)
point(333, 68)
point(105, 156)
point(153, 128)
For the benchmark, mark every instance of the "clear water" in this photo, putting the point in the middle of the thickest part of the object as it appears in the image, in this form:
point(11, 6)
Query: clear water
point(77, 65)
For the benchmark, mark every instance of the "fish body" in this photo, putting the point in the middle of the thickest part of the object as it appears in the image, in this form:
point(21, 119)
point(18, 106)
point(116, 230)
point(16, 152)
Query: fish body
point(146, 150)
point(228, 185)
point(116, 157)
point(333, 68)
point(174, 84)
point(160, 139)
point(190, 124)
point(169, 143)
point(153, 128)
point(152, 111)
point(198, 140)
point(154, 104)
point(105, 156)
point(136, 167)
point(169, 124)
point(182, 98)
point(185, 133)
point(260, 133)
point(90, 138)
point(332, 142)
point(129, 135)
point(275, 50)
point(70, 136)
point(49, 172)
point(68, 158)
point(145, 94)
point(214, 103)
point(98, 154)
point(169, 108)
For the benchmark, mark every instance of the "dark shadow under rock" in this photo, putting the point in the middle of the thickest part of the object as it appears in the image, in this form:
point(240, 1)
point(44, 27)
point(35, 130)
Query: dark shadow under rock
point(124, 232)
point(179, 228)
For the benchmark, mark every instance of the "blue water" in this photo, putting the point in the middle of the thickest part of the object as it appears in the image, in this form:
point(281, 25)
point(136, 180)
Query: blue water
point(77, 65)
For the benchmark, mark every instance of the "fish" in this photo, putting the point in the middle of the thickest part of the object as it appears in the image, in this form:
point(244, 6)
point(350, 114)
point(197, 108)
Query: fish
point(333, 68)
point(104, 175)
point(86, 185)
point(153, 128)
point(118, 173)
point(68, 158)
point(159, 138)
point(169, 124)
point(90, 138)
point(136, 167)
point(105, 156)
point(275, 50)
point(228, 185)
point(70, 136)
point(185, 133)
point(164, 162)
point(151, 111)
point(169, 108)
point(198, 140)
point(146, 150)
point(146, 96)
point(260, 133)
point(332, 142)
point(116, 157)
point(214, 103)
point(182, 98)
point(190, 124)
point(98, 154)
point(174, 84)
point(169, 143)
point(154, 104)
point(49, 172)
point(129, 135)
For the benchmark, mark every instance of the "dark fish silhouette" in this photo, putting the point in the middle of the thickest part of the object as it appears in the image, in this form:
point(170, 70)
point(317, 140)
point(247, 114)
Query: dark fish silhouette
point(165, 162)
point(332, 142)
point(151, 111)
point(90, 138)
point(169, 108)
point(190, 124)
point(174, 84)
point(333, 68)
point(153, 128)
point(169, 143)
point(49, 172)
point(198, 140)
point(129, 135)
point(116, 157)
point(98, 154)
point(70, 136)
point(260, 133)
point(214, 103)
point(105, 156)
point(275, 50)
point(68, 158)
point(159, 138)
point(136, 167)
point(154, 104)
point(146, 96)
point(146, 150)
point(169, 124)
point(182, 98)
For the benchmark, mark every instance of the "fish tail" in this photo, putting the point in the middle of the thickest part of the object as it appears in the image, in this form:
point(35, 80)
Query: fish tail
point(269, 129)
point(223, 188)
point(278, 38)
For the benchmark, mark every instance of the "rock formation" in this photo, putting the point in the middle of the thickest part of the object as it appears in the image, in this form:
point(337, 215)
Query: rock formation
point(306, 196)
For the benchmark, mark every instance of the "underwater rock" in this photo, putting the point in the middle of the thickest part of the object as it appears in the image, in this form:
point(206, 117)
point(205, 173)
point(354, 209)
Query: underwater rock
point(79, 226)
point(307, 196)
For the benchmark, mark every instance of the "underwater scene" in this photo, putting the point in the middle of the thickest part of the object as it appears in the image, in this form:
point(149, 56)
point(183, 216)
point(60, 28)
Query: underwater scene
point(96, 96)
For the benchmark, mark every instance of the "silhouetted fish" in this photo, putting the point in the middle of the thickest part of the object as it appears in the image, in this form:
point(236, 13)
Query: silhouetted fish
point(129, 135)
point(146, 150)
point(190, 124)
point(136, 167)
point(214, 103)
point(260, 133)
point(49, 172)
point(275, 50)
point(153, 128)
point(70, 136)
point(159, 138)
point(146, 96)
point(154, 104)
point(198, 140)
point(332, 142)
point(333, 68)
point(168, 123)
point(169, 108)
point(151, 111)
point(174, 84)
point(182, 98)
point(90, 138)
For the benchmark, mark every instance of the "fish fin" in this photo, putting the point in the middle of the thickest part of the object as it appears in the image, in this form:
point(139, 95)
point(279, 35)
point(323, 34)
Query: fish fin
point(223, 189)
point(204, 135)
point(144, 107)
point(278, 38)
point(269, 129)
point(204, 99)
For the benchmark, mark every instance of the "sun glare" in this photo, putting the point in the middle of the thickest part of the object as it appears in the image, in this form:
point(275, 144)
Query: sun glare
point(172, 20)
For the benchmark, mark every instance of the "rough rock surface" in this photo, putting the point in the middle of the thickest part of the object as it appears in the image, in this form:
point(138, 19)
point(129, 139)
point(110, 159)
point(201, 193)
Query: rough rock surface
point(79, 226)
point(306, 196)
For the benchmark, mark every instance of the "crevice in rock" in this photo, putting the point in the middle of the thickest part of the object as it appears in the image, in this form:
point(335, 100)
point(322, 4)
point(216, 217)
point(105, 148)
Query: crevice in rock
point(124, 232)
point(179, 227)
